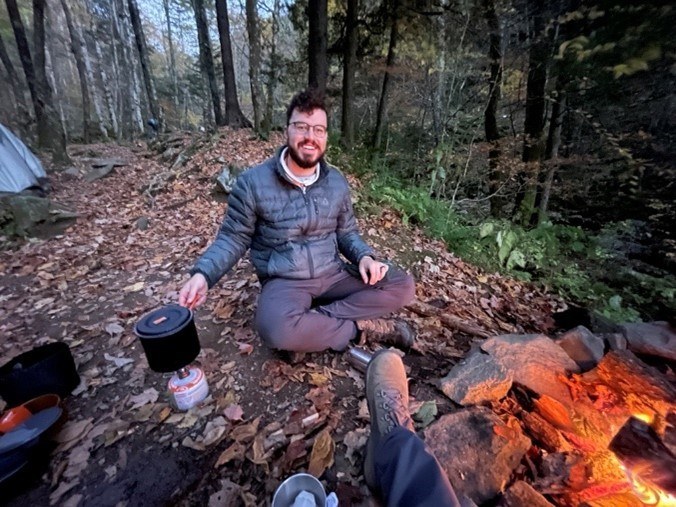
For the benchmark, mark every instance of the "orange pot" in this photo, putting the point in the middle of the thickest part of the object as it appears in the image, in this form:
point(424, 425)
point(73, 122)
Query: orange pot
point(42, 402)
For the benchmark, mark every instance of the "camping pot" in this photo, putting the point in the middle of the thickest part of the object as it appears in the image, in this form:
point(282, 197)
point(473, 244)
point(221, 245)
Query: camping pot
point(169, 338)
point(47, 369)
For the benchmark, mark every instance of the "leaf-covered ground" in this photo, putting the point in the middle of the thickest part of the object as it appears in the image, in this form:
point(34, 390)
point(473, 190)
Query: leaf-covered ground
point(266, 417)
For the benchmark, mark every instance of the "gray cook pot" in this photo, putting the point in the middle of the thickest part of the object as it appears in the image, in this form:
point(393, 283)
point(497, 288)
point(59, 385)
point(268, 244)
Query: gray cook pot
point(169, 338)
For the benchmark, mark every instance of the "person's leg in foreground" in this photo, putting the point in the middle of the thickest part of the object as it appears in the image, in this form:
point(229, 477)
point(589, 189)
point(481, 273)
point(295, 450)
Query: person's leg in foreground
point(398, 466)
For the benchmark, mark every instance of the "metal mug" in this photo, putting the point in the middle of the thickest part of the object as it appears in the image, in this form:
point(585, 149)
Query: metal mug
point(289, 489)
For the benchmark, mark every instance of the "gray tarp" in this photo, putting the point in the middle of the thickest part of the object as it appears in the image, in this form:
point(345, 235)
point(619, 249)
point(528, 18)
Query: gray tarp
point(19, 168)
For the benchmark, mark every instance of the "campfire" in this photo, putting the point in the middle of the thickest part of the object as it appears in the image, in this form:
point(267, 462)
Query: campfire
point(649, 465)
point(608, 438)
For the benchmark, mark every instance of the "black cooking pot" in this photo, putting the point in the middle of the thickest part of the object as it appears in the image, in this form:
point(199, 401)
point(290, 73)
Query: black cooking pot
point(48, 369)
point(169, 338)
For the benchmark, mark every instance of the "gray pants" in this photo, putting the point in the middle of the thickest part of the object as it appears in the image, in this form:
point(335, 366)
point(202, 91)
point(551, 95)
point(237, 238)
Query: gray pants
point(319, 314)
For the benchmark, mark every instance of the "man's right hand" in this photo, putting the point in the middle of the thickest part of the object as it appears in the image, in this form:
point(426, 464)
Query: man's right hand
point(194, 292)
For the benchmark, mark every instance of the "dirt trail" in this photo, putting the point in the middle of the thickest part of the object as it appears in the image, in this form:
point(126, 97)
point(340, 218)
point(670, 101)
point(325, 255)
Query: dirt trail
point(88, 286)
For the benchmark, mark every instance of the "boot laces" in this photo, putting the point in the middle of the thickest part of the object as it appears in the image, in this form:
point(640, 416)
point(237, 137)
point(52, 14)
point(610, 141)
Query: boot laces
point(394, 412)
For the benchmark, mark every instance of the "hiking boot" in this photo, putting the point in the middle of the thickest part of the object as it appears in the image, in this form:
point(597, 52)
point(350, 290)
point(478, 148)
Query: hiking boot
point(392, 331)
point(387, 397)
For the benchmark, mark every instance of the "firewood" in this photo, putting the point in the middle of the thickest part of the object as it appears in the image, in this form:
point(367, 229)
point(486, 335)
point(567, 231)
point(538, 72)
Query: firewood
point(546, 435)
point(643, 453)
point(642, 388)
point(554, 412)
point(427, 310)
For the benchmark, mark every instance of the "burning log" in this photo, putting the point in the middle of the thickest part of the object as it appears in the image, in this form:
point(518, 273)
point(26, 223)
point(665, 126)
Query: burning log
point(641, 388)
point(554, 412)
point(643, 454)
point(546, 435)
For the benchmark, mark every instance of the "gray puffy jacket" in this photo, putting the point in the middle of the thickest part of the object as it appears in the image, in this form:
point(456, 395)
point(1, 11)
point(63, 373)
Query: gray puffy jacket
point(292, 232)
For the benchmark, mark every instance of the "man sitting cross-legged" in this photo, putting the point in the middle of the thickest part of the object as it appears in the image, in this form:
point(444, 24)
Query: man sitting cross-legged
point(294, 212)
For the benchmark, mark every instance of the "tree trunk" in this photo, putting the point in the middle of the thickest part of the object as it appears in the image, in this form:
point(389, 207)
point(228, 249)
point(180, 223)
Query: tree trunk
point(381, 122)
point(349, 65)
point(50, 131)
point(272, 77)
point(535, 113)
point(127, 87)
point(20, 101)
point(142, 48)
point(119, 62)
point(57, 103)
point(172, 57)
point(233, 114)
point(317, 44)
point(495, 177)
point(27, 64)
point(110, 102)
point(552, 151)
point(76, 44)
point(206, 58)
point(97, 100)
point(255, 62)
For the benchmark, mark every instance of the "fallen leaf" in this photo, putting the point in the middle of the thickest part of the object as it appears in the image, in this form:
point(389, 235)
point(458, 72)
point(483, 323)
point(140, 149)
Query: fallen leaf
point(258, 448)
point(193, 444)
point(227, 496)
point(235, 451)
point(134, 288)
point(63, 488)
point(321, 456)
point(294, 451)
point(114, 328)
point(246, 432)
point(214, 431)
point(119, 361)
point(234, 412)
point(318, 379)
point(148, 396)
point(355, 441)
point(73, 501)
point(72, 433)
point(245, 348)
point(363, 413)
point(426, 413)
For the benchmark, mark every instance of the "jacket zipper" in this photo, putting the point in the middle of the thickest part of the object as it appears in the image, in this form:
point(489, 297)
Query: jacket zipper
point(308, 205)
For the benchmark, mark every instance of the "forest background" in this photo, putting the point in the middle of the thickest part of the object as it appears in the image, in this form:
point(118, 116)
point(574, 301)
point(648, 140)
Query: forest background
point(535, 138)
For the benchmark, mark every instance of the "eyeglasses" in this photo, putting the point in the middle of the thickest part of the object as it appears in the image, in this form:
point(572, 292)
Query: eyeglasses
point(303, 128)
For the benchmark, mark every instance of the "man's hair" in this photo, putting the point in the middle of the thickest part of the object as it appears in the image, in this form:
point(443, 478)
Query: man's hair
point(306, 102)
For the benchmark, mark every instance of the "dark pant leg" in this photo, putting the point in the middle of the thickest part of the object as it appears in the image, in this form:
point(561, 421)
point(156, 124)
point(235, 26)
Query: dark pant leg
point(409, 475)
point(284, 320)
point(348, 297)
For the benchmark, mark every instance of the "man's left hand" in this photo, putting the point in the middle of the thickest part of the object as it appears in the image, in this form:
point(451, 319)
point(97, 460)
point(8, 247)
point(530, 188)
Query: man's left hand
point(372, 271)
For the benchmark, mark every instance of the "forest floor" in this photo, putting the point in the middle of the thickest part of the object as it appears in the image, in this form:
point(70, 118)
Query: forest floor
point(122, 444)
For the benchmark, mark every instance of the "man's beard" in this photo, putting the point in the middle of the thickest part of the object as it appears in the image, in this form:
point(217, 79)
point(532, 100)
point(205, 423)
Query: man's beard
point(305, 163)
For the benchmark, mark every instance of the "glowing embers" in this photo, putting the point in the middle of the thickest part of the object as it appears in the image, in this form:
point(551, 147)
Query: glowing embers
point(647, 494)
point(649, 464)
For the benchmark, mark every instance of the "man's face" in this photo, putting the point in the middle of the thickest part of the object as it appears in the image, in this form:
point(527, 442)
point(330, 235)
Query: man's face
point(306, 148)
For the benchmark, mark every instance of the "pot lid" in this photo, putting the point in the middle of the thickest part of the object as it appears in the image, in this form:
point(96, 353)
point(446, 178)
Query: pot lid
point(163, 321)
